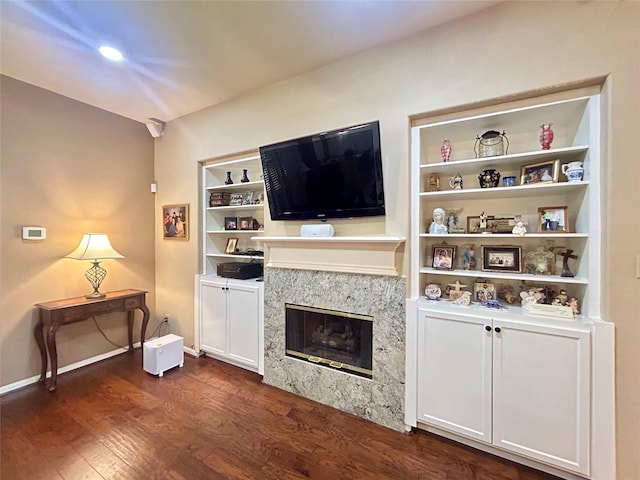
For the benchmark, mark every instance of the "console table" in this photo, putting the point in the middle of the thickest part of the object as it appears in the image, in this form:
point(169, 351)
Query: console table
point(71, 310)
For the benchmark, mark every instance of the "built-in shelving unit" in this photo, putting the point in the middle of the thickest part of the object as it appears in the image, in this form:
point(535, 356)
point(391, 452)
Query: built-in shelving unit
point(215, 232)
point(576, 128)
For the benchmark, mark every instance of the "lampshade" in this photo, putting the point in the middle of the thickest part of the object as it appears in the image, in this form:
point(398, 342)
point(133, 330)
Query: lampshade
point(94, 246)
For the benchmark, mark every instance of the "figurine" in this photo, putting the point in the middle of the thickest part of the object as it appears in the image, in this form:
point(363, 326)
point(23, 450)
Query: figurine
point(505, 292)
point(519, 229)
point(483, 221)
point(456, 291)
point(437, 226)
point(467, 256)
point(456, 182)
point(464, 299)
point(561, 298)
point(573, 303)
point(530, 296)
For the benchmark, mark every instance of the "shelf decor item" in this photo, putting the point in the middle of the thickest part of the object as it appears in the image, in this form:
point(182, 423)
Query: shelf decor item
point(248, 198)
point(232, 245)
point(219, 199)
point(175, 222)
point(489, 178)
point(565, 263)
point(434, 182)
point(456, 182)
point(244, 178)
point(248, 223)
point(438, 227)
point(445, 150)
point(231, 223)
point(504, 258)
point(543, 172)
point(455, 290)
point(228, 181)
point(236, 199)
point(443, 256)
point(573, 171)
point(508, 181)
point(553, 220)
point(433, 291)
point(491, 144)
point(546, 136)
point(483, 292)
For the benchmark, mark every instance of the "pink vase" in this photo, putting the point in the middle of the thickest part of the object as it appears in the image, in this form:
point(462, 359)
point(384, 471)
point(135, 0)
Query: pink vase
point(445, 150)
point(546, 136)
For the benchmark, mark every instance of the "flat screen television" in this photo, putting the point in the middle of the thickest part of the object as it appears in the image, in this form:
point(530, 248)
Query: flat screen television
point(334, 174)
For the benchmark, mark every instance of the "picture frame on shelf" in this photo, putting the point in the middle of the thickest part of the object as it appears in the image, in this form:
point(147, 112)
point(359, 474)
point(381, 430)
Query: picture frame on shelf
point(553, 219)
point(248, 198)
point(443, 256)
point(232, 245)
point(494, 224)
point(231, 223)
point(175, 222)
point(542, 172)
point(502, 258)
point(483, 291)
point(248, 223)
point(236, 199)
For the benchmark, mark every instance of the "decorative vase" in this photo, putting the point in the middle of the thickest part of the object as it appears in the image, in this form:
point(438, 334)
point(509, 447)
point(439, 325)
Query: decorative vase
point(445, 150)
point(489, 178)
point(573, 171)
point(546, 136)
point(244, 178)
point(228, 181)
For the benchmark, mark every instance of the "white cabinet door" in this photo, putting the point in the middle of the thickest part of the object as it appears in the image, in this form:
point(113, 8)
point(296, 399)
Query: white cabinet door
point(541, 385)
point(454, 374)
point(213, 330)
point(243, 324)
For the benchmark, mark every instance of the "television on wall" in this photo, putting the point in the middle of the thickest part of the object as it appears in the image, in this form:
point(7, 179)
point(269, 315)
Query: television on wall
point(335, 174)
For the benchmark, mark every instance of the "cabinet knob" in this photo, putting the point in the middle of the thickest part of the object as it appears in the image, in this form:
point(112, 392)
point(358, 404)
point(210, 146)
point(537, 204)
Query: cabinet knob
point(488, 328)
point(498, 329)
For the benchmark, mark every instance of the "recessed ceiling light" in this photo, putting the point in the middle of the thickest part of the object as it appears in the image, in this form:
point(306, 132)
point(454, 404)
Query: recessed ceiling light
point(111, 53)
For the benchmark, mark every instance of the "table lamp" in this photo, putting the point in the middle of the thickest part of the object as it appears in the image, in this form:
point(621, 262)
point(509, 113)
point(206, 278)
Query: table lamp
point(94, 247)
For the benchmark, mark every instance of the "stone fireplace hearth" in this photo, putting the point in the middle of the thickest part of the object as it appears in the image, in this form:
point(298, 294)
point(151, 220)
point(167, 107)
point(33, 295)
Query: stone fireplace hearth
point(379, 399)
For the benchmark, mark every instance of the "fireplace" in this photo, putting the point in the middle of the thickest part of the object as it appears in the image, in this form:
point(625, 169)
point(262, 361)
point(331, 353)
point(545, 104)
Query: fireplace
point(330, 338)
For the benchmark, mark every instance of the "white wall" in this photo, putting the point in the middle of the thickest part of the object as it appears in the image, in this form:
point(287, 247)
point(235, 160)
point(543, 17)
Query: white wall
point(514, 47)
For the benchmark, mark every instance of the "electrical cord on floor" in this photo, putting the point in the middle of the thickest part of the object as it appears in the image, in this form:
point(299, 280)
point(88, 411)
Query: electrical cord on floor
point(158, 331)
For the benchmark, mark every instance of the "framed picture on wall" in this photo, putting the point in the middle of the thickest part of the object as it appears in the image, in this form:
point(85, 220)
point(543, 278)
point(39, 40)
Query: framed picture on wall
point(175, 222)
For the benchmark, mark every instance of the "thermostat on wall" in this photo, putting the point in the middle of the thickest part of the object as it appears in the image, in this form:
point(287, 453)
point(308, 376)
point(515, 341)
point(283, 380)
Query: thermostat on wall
point(34, 233)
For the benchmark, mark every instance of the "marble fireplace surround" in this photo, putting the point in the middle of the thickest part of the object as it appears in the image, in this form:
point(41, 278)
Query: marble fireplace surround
point(380, 399)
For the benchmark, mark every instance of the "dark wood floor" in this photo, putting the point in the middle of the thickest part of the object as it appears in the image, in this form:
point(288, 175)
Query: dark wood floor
point(209, 420)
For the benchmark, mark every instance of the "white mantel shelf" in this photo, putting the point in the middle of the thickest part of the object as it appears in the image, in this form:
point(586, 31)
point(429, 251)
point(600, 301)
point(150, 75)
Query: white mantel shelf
point(371, 255)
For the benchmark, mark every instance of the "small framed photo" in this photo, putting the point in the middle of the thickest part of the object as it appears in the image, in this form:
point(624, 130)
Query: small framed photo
point(247, 223)
point(175, 222)
point(443, 257)
point(543, 172)
point(504, 258)
point(553, 220)
point(248, 198)
point(231, 223)
point(232, 245)
point(483, 292)
point(236, 199)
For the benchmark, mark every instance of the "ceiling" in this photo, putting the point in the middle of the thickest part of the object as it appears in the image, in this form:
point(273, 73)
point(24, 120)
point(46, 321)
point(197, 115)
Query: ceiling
point(185, 55)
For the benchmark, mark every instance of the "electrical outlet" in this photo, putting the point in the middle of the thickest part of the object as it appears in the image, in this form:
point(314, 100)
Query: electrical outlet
point(165, 318)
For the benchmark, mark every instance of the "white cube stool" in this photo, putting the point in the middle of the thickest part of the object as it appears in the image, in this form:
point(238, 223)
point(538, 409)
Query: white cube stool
point(161, 354)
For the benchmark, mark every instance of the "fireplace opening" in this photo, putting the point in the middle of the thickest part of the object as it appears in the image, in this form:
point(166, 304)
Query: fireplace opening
point(330, 338)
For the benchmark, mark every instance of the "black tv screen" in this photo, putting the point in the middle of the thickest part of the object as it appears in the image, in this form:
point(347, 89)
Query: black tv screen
point(334, 174)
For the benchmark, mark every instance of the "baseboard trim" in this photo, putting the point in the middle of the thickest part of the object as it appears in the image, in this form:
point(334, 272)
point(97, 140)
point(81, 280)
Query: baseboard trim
point(67, 368)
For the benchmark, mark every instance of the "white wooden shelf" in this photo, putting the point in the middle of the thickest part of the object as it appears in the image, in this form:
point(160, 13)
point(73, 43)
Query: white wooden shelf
point(236, 257)
point(253, 206)
point(478, 236)
point(506, 276)
point(236, 186)
point(475, 165)
point(535, 190)
point(233, 232)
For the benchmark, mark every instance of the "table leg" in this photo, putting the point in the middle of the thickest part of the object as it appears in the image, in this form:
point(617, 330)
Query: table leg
point(145, 321)
point(53, 355)
point(130, 328)
point(37, 332)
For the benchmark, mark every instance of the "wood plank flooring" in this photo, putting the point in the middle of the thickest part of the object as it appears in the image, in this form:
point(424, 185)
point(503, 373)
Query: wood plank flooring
point(210, 420)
